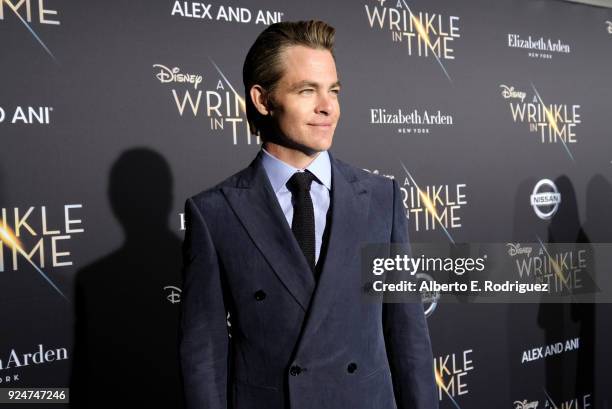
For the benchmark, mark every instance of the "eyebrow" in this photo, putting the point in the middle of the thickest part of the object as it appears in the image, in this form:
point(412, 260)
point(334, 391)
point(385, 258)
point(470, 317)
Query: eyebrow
point(312, 84)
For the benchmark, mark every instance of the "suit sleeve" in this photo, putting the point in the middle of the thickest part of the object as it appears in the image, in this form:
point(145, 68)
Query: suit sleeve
point(407, 336)
point(204, 341)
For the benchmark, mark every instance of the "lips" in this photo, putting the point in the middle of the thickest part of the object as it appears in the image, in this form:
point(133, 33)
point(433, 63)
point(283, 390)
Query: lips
point(326, 124)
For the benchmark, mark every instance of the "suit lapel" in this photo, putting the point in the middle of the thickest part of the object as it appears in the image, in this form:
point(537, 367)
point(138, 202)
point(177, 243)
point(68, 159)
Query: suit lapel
point(256, 205)
point(350, 206)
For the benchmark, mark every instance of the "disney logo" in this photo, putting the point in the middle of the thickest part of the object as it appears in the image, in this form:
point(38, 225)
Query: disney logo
point(515, 249)
point(525, 405)
point(609, 23)
point(174, 295)
point(166, 75)
point(510, 92)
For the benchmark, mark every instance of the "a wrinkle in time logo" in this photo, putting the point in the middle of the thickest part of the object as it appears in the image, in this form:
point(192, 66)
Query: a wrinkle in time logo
point(38, 237)
point(431, 207)
point(221, 106)
point(421, 33)
point(213, 12)
point(583, 401)
point(552, 123)
point(452, 373)
point(411, 121)
point(563, 269)
point(29, 13)
point(430, 299)
point(37, 11)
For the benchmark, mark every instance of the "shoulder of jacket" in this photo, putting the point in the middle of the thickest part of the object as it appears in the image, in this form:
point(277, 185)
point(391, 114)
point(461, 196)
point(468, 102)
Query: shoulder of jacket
point(214, 193)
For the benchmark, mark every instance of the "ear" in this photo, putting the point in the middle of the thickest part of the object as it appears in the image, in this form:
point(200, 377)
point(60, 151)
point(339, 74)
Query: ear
point(260, 100)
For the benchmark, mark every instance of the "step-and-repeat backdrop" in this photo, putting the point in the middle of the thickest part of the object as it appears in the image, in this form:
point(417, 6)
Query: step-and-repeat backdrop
point(113, 113)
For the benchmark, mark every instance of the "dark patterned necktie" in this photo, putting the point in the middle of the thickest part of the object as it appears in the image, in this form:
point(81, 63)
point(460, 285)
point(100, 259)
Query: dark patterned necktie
point(303, 223)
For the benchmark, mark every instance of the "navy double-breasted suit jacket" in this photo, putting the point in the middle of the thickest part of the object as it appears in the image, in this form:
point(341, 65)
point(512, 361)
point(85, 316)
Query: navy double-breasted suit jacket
point(296, 343)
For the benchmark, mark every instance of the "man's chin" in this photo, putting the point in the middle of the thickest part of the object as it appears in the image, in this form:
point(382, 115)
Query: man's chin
point(322, 144)
point(316, 148)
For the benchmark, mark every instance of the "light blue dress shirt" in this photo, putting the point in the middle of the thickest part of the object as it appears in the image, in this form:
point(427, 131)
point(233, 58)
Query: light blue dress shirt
point(279, 174)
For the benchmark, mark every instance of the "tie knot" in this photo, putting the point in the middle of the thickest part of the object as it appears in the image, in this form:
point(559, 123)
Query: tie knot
point(300, 182)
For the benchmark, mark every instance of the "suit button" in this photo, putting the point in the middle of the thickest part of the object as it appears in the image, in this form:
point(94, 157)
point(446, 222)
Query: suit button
point(260, 295)
point(295, 370)
point(352, 367)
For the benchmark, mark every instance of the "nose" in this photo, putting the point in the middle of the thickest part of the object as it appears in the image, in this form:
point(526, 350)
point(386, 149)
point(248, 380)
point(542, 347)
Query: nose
point(325, 103)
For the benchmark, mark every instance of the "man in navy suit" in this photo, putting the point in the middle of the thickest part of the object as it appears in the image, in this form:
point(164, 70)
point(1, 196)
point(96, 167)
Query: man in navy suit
point(276, 247)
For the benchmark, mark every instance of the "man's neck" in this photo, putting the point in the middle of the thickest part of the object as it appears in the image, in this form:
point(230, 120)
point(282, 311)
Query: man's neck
point(293, 157)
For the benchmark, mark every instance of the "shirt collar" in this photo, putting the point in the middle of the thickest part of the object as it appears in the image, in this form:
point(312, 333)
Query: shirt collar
point(280, 172)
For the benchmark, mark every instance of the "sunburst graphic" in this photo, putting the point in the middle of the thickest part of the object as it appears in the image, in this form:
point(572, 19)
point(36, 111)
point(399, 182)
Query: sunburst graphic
point(554, 405)
point(10, 240)
point(429, 205)
point(425, 37)
point(229, 84)
point(36, 36)
point(552, 121)
point(555, 266)
point(441, 385)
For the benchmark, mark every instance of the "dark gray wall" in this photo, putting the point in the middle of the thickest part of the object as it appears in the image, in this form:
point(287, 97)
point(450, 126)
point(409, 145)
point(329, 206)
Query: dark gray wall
point(116, 146)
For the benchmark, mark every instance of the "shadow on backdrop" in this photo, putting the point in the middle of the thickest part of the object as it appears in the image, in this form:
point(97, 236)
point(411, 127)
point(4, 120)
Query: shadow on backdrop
point(126, 330)
point(557, 320)
point(595, 329)
point(538, 325)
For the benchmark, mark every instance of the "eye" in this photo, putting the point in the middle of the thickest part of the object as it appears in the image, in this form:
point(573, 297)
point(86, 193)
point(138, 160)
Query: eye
point(336, 91)
point(306, 91)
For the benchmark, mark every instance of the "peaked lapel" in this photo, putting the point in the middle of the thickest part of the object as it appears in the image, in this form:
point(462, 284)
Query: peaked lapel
point(254, 202)
point(350, 207)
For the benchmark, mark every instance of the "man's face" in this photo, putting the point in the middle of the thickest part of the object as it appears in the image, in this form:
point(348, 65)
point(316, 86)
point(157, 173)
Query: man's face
point(306, 108)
